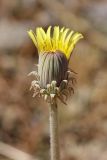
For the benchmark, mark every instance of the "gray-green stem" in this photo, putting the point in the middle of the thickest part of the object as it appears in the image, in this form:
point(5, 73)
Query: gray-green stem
point(54, 139)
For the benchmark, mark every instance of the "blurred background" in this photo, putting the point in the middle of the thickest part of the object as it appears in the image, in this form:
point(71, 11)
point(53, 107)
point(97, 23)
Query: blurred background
point(24, 120)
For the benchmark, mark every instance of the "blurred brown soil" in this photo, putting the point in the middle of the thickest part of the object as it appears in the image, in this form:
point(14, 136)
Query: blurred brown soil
point(24, 120)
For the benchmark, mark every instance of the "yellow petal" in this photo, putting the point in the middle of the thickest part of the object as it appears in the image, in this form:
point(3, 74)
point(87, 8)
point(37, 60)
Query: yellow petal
point(56, 33)
point(48, 32)
point(39, 35)
point(61, 40)
point(33, 37)
point(40, 40)
point(75, 38)
point(48, 37)
point(55, 37)
point(43, 33)
point(69, 37)
point(64, 35)
point(67, 40)
point(62, 29)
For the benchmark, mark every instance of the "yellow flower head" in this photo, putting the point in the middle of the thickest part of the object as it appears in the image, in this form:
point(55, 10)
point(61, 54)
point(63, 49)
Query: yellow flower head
point(61, 39)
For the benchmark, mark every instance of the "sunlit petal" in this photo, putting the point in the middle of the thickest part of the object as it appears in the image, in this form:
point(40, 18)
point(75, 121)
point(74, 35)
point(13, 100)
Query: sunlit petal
point(61, 39)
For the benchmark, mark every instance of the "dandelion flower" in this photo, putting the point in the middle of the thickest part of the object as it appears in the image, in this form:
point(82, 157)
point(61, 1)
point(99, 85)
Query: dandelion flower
point(55, 47)
point(53, 79)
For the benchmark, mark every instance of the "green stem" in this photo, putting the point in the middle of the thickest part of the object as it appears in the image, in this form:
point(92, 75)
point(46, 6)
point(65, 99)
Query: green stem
point(54, 139)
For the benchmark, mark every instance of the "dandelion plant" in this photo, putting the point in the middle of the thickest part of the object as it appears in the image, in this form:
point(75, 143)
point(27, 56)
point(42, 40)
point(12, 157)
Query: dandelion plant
point(52, 78)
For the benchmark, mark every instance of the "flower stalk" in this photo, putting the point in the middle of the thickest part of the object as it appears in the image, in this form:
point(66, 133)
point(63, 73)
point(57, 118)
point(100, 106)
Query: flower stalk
point(54, 138)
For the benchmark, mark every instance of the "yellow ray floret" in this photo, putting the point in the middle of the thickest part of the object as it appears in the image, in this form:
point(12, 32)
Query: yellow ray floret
point(62, 39)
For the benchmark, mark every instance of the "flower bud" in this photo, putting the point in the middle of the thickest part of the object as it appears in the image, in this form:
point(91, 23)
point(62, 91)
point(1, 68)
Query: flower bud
point(52, 67)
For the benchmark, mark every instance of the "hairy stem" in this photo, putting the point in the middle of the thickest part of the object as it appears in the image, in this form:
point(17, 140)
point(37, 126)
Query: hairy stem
point(54, 140)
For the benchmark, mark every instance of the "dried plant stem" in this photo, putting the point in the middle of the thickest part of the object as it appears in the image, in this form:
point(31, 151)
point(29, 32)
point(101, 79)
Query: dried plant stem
point(54, 140)
point(14, 153)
